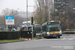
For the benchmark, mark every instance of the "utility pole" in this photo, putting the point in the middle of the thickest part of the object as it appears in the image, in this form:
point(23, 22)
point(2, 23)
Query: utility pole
point(50, 8)
point(49, 14)
point(27, 15)
point(27, 12)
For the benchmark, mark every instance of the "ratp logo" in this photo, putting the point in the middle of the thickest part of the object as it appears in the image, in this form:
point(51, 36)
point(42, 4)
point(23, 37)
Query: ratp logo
point(9, 17)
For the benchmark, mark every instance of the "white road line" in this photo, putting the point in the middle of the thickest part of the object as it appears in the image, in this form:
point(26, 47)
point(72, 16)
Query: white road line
point(64, 39)
point(71, 39)
point(53, 39)
point(49, 39)
point(56, 39)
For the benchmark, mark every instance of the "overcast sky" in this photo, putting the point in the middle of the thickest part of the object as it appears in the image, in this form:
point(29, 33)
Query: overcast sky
point(15, 4)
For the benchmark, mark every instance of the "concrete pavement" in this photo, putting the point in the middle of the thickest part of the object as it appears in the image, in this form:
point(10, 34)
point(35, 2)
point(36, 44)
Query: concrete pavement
point(63, 43)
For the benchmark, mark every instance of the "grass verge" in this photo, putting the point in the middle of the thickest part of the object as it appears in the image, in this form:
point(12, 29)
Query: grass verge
point(37, 37)
point(1, 41)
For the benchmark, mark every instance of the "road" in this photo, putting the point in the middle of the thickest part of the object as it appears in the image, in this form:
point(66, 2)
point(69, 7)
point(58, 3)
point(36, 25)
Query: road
point(63, 43)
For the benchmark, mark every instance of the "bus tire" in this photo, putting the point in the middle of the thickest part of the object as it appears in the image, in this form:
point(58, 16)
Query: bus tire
point(43, 35)
point(58, 36)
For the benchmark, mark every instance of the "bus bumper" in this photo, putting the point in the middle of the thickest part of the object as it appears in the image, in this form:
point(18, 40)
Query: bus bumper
point(53, 35)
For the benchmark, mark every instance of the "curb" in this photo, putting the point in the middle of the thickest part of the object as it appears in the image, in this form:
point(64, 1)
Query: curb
point(11, 41)
point(19, 41)
point(33, 39)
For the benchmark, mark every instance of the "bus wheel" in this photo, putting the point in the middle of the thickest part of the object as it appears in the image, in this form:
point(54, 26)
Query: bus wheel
point(58, 36)
point(43, 35)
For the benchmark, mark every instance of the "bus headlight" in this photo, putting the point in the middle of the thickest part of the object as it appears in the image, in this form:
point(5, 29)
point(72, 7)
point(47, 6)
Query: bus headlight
point(60, 32)
point(48, 33)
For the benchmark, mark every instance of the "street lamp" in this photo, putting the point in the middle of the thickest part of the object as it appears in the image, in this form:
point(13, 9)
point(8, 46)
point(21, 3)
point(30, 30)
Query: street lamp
point(27, 12)
point(27, 15)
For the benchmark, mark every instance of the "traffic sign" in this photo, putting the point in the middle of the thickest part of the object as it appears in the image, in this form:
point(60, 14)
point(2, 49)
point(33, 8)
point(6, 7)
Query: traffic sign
point(9, 17)
point(9, 20)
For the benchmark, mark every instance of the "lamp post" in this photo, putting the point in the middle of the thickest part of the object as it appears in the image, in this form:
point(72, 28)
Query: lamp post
point(27, 12)
point(27, 15)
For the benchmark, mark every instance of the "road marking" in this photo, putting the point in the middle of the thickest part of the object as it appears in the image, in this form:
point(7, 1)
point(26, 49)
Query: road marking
point(63, 47)
point(53, 39)
point(71, 39)
point(57, 39)
point(63, 39)
point(50, 39)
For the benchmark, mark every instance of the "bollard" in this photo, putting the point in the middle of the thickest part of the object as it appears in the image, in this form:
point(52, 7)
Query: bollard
point(41, 34)
point(31, 35)
point(28, 35)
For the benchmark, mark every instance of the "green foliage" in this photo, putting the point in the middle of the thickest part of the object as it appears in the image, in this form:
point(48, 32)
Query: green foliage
point(55, 14)
point(70, 29)
point(73, 15)
point(25, 34)
point(15, 34)
point(1, 41)
point(59, 4)
point(42, 11)
point(65, 13)
point(68, 32)
point(39, 18)
point(10, 35)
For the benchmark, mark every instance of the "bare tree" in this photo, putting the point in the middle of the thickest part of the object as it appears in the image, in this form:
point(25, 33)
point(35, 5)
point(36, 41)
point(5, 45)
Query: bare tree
point(11, 12)
point(43, 10)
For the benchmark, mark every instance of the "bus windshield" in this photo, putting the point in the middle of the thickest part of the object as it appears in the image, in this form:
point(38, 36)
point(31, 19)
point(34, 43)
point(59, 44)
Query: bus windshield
point(54, 29)
point(52, 23)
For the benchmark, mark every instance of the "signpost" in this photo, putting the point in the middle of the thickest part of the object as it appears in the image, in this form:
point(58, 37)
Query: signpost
point(9, 20)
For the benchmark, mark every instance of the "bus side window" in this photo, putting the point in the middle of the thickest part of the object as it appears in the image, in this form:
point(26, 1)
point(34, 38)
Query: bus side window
point(44, 28)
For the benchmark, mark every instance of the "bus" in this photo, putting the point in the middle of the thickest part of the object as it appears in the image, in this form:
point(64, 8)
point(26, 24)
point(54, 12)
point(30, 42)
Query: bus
point(36, 28)
point(52, 29)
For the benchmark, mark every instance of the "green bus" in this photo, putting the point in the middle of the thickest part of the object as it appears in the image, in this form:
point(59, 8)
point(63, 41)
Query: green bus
point(36, 28)
point(52, 29)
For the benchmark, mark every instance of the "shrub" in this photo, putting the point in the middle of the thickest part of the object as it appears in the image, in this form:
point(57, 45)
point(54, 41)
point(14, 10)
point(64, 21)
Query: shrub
point(9, 35)
point(68, 32)
point(16, 34)
point(24, 34)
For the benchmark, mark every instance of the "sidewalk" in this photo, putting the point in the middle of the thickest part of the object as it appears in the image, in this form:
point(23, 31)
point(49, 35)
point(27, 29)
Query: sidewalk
point(30, 39)
point(69, 34)
point(25, 39)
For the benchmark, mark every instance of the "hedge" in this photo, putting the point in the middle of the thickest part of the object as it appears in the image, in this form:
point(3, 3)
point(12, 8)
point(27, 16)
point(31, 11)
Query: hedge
point(16, 34)
point(9, 35)
point(68, 32)
point(24, 34)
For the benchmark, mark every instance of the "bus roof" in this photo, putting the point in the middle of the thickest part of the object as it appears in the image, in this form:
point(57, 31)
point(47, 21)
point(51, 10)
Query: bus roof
point(51, 22)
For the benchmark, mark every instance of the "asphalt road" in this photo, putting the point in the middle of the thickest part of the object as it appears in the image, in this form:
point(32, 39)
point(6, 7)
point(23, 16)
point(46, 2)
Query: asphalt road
point(63, 43)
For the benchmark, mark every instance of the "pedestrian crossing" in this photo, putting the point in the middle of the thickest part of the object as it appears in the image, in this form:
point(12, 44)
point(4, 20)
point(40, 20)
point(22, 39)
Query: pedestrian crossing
point(60, 39)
